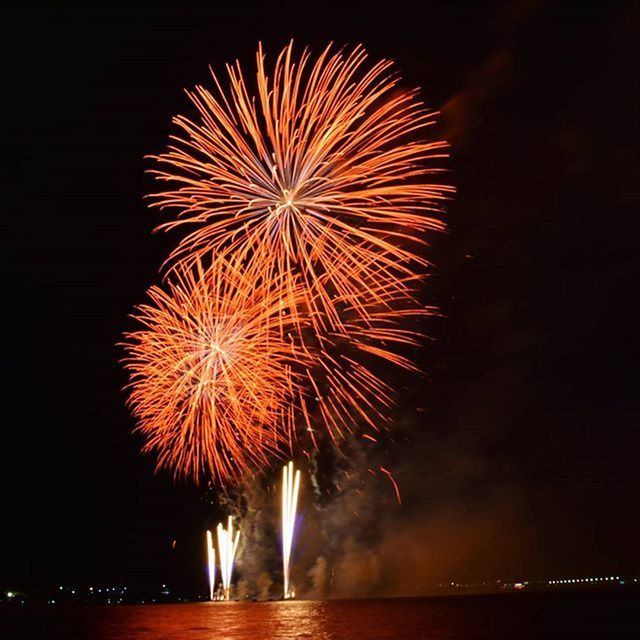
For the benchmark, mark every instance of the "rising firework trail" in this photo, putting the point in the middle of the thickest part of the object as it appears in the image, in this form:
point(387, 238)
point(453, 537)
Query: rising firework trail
point(211, 564)
point(227, 546)
point(290, 487)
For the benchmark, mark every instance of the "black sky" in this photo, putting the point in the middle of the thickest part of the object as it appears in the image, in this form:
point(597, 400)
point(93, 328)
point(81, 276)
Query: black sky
point(530, 417)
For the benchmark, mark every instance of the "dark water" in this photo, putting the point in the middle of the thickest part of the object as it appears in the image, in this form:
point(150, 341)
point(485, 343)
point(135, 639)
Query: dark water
point(516, 617)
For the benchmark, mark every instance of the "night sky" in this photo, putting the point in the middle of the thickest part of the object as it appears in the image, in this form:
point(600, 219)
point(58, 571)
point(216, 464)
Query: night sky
point(523, 458)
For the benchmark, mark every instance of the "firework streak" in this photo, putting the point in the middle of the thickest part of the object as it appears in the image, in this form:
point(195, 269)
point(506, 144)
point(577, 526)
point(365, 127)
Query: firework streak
point(211, 564)
point(227, 546)
point(290, 488)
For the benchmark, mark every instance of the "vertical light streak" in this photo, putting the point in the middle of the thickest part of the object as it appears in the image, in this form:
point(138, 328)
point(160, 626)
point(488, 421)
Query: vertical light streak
point(290, 487)
point(227, 546)
point(211, 563)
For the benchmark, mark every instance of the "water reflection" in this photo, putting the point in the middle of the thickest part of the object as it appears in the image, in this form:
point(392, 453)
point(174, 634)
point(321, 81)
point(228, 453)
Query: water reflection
point(213, 621)
point(328, 620)
point(307, 619)
point(290, 619)
point(460, 618)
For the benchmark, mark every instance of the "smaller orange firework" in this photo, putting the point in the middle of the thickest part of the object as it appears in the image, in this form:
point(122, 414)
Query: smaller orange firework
point(211, 379)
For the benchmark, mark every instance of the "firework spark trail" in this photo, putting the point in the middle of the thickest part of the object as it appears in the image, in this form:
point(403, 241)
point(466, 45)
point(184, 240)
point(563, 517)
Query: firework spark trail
point(325, 171)
point(211, 564)
point(211, 378)
point(290, 488)
point(393, 481)
point(227, 546)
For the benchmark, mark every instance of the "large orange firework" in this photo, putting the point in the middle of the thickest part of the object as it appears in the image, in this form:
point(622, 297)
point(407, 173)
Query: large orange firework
point(309, 201)
point(211, 379)
point(325, 170)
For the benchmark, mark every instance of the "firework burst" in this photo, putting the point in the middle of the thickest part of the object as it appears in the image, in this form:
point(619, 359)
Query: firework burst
point(308, 202)
point(326, 170)
point(211, 372)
